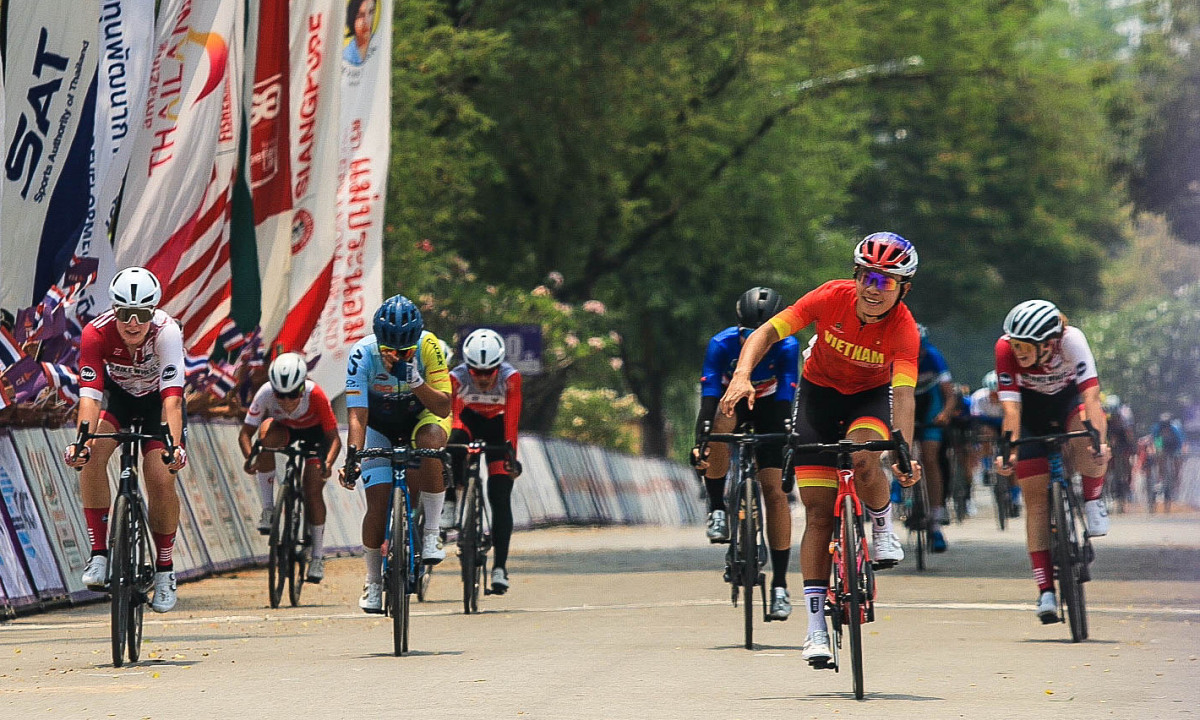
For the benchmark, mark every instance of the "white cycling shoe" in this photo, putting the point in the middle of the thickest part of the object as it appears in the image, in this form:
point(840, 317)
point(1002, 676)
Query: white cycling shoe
point(95, 575)
point(1096, 513)
point(164, 591)
point(1047, 607)
point(432, 552)
point(817, 651)
point(717, 530)
point(888, 549)
point(316, 571)
point(264, 521)
point(781, 604)
point(499, 581)
point(372, 598)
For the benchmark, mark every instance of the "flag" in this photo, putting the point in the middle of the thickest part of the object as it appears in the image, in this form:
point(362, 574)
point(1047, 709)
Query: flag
point(182, 167)
point(10, 349)
point(51, 53)
point(26, 378)
point(64, 380)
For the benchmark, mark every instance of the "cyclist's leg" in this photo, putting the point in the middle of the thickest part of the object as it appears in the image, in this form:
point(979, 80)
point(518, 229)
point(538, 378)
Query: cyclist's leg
point(377, 486)
point(718, 458)
point(431, 431)
point(272, 436)
point(770, 416)
point(95, 491)
point(499, 486)
point(1092, 471)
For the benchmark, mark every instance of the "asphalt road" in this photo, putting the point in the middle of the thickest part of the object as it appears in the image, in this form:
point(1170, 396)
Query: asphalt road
point(636, 623)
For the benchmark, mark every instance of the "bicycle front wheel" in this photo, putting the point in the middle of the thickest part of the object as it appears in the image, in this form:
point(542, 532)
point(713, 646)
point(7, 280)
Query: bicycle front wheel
point(1068, 565)
point(922, 519)
point(297, 561)
point(143, 578)
point(121, 580)
point(398, 580)
point(852, 555)
point(468, 544)
point(1002, 491)
point(277, 560)
point(749, 550)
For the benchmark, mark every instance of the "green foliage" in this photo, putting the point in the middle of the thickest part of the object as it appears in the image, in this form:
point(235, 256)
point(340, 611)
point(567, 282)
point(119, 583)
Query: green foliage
point(1149, 352)
point(600, 417)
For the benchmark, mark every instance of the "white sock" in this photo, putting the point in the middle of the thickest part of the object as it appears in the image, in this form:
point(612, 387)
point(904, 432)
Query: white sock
point(318, 540)
point(266, 489)
point(374, 564)
point(881, 519)
point(814, 603)
point(433, 510)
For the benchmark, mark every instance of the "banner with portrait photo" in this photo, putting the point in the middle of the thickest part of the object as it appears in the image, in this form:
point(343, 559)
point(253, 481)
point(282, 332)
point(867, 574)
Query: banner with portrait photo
point(364, 136)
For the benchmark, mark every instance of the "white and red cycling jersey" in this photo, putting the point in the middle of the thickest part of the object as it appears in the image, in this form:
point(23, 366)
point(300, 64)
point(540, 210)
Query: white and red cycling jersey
point(503, 398)
point(1063, 362)
point(314, 409)
point(105, 360)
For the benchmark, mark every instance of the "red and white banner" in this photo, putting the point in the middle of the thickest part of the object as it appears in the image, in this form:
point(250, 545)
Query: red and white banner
point(316, 32)
point(176, 208)
point(364, 134)
point(268, 165)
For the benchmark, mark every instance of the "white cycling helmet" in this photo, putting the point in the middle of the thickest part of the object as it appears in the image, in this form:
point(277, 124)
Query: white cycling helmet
point(483, 349)
point(287, 373)
point(990, 381)
point(1034, 321)
point(135, 287)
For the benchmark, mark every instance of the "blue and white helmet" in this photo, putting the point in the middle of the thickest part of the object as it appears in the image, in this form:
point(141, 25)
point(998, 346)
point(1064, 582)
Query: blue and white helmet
point(398, 323)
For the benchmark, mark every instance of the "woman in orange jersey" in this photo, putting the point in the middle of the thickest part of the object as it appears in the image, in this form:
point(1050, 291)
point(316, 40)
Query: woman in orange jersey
point(857, 382)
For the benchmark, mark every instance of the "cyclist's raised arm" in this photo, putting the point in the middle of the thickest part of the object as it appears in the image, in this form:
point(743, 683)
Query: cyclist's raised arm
point(753, 351)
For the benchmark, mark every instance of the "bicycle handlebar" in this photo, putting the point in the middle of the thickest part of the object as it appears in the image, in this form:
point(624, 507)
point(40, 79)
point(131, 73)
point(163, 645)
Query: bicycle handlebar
point(897, 444)
point(301, 448)
point(1007, 443)
point(83, 435)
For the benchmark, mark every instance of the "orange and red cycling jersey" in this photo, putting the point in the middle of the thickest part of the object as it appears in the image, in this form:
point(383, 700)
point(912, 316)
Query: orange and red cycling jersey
point(848, 355)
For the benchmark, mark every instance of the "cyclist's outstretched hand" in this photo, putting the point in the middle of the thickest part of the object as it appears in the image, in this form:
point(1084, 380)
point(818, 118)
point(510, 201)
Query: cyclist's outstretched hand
point(1005, 465)
point(348, 476)
point(178, 459)
point(908, 480)
point(739, 389)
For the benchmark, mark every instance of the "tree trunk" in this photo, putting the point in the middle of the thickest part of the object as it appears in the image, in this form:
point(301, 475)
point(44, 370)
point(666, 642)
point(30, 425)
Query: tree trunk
point(654, 423)
point(542, 394)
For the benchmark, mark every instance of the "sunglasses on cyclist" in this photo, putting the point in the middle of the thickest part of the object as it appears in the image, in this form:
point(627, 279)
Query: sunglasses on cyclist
point(404, 354)
point(870, 278)
point(125, 314)
point(293, 395)
point(480, 373)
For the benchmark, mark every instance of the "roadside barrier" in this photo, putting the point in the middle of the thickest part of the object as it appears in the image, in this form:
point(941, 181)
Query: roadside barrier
point(43, 538)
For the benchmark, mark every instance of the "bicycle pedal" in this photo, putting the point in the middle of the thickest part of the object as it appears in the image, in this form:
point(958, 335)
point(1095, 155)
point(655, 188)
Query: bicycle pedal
point(883, 564)
point(822, 664)
point(718, 541)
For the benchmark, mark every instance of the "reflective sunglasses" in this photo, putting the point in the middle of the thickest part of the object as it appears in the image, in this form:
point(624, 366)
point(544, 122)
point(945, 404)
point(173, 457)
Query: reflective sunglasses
point(480, 373)
point(1023, 347)
point(125, 314)
point(405, 354)
point(870, 278)
point(290, 395)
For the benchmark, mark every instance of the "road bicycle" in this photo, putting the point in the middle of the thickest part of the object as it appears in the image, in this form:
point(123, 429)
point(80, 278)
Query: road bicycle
point(747, 553)
point(850, 600)
point(1070, 544)
point(403, 570)
point(131, 548)
point(474, 540)
point(289, 543)
point(915, 513)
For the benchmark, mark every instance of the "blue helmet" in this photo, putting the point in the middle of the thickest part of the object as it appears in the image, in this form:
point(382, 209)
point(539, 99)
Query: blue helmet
point(398, 323)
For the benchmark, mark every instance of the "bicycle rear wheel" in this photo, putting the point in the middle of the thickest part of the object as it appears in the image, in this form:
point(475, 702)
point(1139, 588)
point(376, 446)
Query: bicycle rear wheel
point(121, 579)
point(277, 556)
point(468, 547)
point(749, 549)
point(921, 520)
point(297, 562)
point(398, 580)
point(851, 557)
point(1069, 586)
point(1002, 491)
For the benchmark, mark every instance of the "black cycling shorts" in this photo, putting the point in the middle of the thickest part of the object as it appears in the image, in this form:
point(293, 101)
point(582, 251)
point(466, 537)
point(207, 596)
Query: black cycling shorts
point(824, 415)
point(1043, 414)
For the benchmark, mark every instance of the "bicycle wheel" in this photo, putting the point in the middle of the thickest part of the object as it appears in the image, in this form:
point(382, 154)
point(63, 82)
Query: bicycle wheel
point(121, 578)
point(468, 547)
point(1066, 564)
point(851, 557)
point(1002, 491)
point(748, 519)
point(143, 579)
point(921, 519)
point(277, 561)
point(297, 562)
point(399, 557)
point(426, 570)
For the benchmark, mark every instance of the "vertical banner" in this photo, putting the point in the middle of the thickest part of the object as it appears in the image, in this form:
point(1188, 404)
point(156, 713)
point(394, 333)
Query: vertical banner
point(364, 134)
point(269, 162)
point(15, 507)
point(50, 79)
point(175, 216)
point(317, 28)
point(39, 510)
point(126, 36)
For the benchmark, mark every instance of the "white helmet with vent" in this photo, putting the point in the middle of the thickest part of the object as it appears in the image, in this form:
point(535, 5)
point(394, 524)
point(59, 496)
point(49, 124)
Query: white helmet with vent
point(483, 349)
point(287, 373)
point(135, 287)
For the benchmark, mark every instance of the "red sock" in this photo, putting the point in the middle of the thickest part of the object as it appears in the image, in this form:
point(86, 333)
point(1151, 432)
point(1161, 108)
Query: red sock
point(1092, 487)
point(165, 542)
point(97, 527)
point(1043, 570)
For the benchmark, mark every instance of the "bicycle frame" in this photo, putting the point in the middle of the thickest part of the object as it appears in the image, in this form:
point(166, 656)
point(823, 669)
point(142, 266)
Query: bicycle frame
point(473, 540)
point(288, 541)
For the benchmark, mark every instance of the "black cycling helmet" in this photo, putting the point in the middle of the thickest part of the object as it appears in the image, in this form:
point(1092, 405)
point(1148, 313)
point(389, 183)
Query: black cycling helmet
point(758, 305)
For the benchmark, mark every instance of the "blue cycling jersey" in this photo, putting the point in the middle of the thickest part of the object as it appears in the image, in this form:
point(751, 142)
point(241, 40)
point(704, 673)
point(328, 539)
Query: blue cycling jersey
point(932, 369)
point(776, 374)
